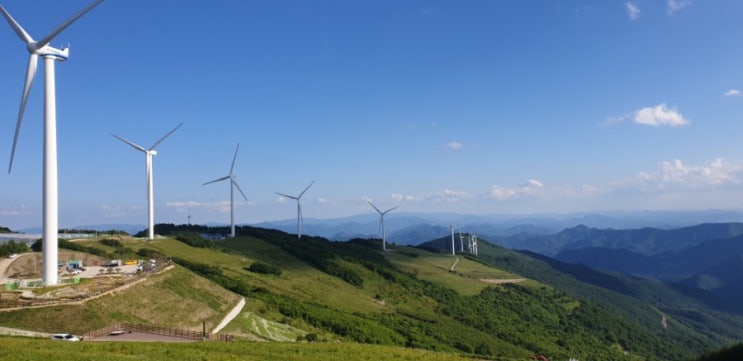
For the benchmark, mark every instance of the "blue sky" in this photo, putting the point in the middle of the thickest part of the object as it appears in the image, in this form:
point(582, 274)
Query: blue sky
point(475, 107)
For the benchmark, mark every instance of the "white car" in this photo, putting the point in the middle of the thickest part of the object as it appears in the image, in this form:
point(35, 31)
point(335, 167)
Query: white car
point(64, 337)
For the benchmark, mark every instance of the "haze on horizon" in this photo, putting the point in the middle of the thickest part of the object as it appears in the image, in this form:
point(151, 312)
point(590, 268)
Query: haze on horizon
point(483, 107)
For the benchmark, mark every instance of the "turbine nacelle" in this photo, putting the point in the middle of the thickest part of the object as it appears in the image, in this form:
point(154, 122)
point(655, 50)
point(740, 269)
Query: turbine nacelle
point(47, 50)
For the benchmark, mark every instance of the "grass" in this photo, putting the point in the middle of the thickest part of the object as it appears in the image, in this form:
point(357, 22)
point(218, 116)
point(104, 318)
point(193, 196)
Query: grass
point(29, 349)
point(266, 329)
point(175, 298)
point(432, 267)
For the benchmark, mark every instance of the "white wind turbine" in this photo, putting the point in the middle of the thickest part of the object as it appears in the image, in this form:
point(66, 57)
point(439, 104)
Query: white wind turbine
point(381, 224)
point(150, 193)
point(300, 219)
point(233, 184)
point(451, 227)
point(50, 197)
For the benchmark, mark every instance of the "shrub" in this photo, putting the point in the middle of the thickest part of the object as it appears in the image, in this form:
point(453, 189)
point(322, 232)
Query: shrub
point(264, 268)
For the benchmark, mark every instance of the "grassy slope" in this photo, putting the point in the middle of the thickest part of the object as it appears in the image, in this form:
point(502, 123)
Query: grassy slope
point(41, 349)
point(390, 306)
point(176, 298)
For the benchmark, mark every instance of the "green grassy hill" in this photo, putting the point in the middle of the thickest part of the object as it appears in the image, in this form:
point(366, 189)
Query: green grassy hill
point(351, 292)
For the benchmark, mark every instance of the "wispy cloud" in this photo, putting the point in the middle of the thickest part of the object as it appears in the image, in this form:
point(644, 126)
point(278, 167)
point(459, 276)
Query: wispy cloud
point(677, 5)
point(676, 174)
point(531, 187)
point(656, 116)
point(397, 197)
point(447, 195)
point(455, 145)
point(20, 211)
point(183, 206)
point(633, 10)
point(732, 93)
point(119, 211)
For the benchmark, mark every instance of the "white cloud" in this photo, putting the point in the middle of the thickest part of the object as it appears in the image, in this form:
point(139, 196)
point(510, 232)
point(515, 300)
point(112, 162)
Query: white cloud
point(321, 200)
point(531, 187)
point(455, 145)
point(633, 10)
point(448, 195)
point(676, 174)
point(732, 93)
point(500, 193)
point(400, 198)
point(677, 5)
point(659, 115)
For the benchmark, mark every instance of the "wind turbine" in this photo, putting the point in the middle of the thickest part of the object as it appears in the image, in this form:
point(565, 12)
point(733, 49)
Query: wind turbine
point(451, 227)
point(381, 224)
point(300, 219)
point(150, 195)
point(233, 184)
point(50, 198)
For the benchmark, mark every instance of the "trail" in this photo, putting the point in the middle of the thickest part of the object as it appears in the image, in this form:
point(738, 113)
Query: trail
point(454, 265)
point(230, 316)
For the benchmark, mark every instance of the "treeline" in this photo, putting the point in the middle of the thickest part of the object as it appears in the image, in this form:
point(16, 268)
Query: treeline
point(11, 247)
point(120, 251)
point(112, 232)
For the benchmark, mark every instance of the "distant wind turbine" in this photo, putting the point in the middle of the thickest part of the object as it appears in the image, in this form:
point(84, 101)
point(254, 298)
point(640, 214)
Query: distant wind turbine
point(451, 227)
point(381, 224)
point(233, 184)
point(50, 190)
point(150, 195)
point(300, 219)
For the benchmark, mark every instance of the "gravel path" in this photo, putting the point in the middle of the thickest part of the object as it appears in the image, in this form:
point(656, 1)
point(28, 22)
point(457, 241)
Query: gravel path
point(230, 316)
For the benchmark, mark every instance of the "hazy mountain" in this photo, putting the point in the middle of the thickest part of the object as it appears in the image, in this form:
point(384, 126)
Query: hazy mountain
point(501, 228)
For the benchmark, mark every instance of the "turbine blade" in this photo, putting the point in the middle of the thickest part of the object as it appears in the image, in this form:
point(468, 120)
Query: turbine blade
point(217, 180)
point(163, 138)
point(22, 34)
point(41, 43)
point(238, 188)
point(389, 210)
point(375, 208)
point(134, 145)
point(381, 223)
point(234, 158)
point(305, 190)
point(286, 195)
point(30, 74)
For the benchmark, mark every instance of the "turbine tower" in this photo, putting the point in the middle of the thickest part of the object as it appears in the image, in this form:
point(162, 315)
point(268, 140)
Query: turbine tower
point(300, 219)
point(381, 224)
point(50, 198)
point(453, 251)
point(150, 195)
point(233, 184)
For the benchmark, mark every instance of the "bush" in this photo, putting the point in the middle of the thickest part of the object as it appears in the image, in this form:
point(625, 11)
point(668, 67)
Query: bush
point(111, 243)
point(264, 268)
point(12, 247)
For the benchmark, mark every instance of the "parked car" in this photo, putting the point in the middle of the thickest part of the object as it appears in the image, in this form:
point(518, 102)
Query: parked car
point(64, 337)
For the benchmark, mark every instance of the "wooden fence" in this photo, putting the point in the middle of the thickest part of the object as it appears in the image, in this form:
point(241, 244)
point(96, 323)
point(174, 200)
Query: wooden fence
point(155, 330)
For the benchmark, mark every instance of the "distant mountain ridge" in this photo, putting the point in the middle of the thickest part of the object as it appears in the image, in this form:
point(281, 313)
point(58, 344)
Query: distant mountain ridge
point(401, 226)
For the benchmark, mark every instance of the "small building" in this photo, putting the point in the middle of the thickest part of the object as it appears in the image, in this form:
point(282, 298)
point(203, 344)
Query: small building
point(74, 265)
